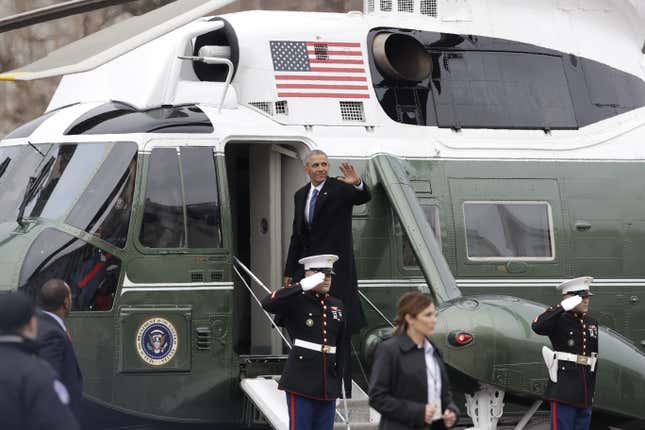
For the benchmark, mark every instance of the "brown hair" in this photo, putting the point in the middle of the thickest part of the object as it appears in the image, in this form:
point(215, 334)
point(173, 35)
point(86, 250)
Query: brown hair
point(412, 303)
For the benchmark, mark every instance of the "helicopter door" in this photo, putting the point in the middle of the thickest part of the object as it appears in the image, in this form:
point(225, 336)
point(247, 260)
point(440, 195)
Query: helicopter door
point(263, 178)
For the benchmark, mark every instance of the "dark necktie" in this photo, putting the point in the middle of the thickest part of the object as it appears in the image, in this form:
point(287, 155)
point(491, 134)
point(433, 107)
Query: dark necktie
point(312, 205)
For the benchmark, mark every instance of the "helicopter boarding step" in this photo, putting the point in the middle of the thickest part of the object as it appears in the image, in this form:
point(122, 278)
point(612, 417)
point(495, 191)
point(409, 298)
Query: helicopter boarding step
point(263, 393)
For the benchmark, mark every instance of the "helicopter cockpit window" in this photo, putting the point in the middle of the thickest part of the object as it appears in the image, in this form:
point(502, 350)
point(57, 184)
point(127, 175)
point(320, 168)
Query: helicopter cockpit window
point(91, 272)
point(65, 172)
point(17, 164)
point(181, 202)
point(508, 230)
point(104, 207)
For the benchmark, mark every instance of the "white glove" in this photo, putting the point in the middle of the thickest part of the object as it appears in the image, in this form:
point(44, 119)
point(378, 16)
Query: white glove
point(571, 302)
point(311, 282)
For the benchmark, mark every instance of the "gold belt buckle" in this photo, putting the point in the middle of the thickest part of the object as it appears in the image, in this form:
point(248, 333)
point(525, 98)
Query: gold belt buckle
point(581, 359)
point(325, 349)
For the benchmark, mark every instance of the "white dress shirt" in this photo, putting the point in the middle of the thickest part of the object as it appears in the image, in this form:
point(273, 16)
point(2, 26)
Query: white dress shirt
point(434, 380)
point(58, 319)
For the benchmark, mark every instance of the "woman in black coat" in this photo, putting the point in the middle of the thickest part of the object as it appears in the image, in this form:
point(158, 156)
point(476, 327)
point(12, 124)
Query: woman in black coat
point(409, 385)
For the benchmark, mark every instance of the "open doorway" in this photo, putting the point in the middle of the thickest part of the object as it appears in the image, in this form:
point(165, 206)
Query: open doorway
point(262, 179)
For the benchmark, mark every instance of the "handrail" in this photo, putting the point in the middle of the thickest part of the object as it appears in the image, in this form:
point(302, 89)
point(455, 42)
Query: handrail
point(378, 311)
point(248, 287)
point(237, 262)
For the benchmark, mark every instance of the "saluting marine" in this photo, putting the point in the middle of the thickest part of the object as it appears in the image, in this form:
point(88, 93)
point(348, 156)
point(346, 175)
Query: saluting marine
point(573, 365)
point(316, 324)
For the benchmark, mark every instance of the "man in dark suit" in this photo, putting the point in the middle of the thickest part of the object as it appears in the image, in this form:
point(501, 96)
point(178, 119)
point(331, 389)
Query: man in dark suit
point(55, 299)
point(322, 224)
point(31, 397)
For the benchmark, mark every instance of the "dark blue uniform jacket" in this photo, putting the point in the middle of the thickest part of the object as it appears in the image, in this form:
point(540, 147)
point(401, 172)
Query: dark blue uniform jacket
point(576, 334)
point(317, 318)
point(28, 399)
point(56, 348)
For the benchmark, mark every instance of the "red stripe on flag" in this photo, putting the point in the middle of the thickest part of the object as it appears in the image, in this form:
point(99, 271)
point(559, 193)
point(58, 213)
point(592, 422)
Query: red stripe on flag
point(326, 95)
point(323, 87)
point(337, 70)
point(336, 61)
point(346, 53)
point(320, 78)
point(343, 44)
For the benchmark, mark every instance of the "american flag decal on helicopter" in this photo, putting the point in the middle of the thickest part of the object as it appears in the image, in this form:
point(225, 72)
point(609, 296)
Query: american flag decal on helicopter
point(319, 69)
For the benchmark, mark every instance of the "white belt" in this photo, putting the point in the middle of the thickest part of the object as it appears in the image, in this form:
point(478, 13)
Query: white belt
point(315, 346)
point(578, 359)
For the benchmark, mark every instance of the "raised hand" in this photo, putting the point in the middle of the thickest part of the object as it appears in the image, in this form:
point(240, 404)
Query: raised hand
point(349, 174)
point(571, 302)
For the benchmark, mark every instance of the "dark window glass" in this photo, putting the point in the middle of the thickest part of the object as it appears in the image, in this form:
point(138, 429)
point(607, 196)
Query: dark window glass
point(501, 90)
point(508, 230)
point(115, 118)
point(104, 208)
point(20, 163)
point(91, 273)
point(163, 216)
point(201, 197)
point(432, 215)
point(484, 82)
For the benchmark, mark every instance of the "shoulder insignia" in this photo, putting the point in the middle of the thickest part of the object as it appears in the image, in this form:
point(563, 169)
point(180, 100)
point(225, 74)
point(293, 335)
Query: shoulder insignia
point(61, 392)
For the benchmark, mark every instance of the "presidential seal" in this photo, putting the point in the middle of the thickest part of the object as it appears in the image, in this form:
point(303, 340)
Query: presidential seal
point(157, 341)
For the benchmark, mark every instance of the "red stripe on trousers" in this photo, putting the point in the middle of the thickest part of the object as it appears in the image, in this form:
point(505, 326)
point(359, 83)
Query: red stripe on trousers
point(293, 411)
point(554, 415)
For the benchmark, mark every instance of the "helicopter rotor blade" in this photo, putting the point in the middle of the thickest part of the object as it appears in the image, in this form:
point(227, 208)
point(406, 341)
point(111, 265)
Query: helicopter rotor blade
point(112, 42)
point(55, 11)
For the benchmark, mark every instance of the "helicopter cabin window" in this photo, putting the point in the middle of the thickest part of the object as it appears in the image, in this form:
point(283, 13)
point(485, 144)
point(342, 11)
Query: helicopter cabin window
point(181, 208)
point(91, 273)
point(508, 230)
point(105, 206)
point(432, 215)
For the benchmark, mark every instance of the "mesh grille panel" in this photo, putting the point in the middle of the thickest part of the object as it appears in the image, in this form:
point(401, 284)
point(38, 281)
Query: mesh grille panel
point(370, 5)
point(352, 111)
point(429, 7)
point(267, 107)
point(386, 5)
point(406, 6)
point(281, 107)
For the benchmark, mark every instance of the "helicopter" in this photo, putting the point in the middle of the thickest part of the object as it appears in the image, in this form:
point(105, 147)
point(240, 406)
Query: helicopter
point(500, 139)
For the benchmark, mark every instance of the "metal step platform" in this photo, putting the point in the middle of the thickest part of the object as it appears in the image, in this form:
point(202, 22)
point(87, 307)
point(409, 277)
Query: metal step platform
point(268, 404)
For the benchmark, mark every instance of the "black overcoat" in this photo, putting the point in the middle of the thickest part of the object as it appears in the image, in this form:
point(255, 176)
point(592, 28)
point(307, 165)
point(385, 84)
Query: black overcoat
point(399, 385)
point(316, 318)
point(28, 397)
point(330, 233)
point(576, 334)
point(56, 348)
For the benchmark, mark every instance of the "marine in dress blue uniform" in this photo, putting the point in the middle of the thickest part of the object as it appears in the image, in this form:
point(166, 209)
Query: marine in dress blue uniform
point(572, 365)
point(316, 324)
